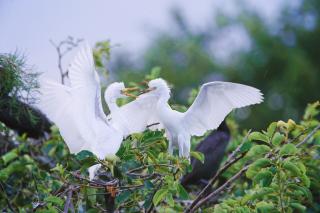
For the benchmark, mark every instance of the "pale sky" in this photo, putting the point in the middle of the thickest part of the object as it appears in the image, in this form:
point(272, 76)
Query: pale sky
point(28, 25)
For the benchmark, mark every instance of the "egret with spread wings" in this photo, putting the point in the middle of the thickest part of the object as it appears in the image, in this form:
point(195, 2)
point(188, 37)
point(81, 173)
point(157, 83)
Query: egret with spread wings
point(77, 110)
point(213, 103)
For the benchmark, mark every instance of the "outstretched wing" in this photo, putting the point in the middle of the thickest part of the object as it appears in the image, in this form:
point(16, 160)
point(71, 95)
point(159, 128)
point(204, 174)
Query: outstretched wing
point(214, 102)
point(56, 102)
point(76, 110)
point(137, 115)
point(85, 81)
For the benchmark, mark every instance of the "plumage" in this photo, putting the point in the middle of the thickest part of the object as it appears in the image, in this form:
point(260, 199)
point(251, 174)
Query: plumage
point(135, 116)
point(213, 103)
point(78, 113)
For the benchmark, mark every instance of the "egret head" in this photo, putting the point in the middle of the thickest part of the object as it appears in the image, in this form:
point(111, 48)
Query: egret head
point(159, 87)
point(114, 91)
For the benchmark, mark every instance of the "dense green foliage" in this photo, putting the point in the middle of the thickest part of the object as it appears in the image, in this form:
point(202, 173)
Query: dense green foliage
point(15, 77)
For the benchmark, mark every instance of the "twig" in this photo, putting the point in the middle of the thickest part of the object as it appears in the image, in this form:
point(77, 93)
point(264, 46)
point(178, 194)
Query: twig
point(229, 162)
point(309, 136)
point(145, 177)
point(154, 124)
point(69, 196)
point(220, 189)
point(70, 44)
point(146, 166)
point(94, 183)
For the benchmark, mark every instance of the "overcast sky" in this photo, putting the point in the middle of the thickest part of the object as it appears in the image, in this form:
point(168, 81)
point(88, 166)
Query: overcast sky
point(27, 26)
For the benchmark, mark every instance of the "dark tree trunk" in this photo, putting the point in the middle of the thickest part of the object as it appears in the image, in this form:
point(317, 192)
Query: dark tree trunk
point(24, 118)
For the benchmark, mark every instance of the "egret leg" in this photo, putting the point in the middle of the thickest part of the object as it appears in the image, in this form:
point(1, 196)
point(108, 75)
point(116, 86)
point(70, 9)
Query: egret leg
point(184, 146)
point(187, 146)
point(170, 145)
point(181, 142)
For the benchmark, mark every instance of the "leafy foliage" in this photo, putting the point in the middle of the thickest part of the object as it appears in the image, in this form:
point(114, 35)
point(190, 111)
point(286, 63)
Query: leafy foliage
point(281, 176)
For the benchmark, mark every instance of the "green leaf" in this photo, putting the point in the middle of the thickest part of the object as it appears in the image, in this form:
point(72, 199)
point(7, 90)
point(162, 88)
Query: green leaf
point(13, 154)
point(198, 155)
point(304, 191)
point(259, 150)
point(288, 149)
point(124, 196)
point(264, 207)
point(159, 196)
point(262, 163)
point(154, 73)
point(59, 168)
point(260, 193)
point(277, 139)
point(292, 168)
point(182, 192)
point(84, 154)
point(305, 179)
point(14, 167)
point(259, 137)
point(54, 200)
point(298, 206)
point(246, 146)
point(264, 178)
point(271, 129)
point(251, 172)
point(302, 167)
point(170, 200)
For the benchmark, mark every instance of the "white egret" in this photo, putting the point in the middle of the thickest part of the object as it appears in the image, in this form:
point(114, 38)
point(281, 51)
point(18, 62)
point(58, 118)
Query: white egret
point(77, 110)
point(213, 103)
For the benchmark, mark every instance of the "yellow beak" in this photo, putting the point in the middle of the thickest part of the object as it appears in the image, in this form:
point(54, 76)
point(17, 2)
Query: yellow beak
point(127, 90)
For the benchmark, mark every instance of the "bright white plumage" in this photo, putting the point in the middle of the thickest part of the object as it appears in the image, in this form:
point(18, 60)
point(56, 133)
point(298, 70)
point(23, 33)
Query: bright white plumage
point(213, 103)
point(77, 110)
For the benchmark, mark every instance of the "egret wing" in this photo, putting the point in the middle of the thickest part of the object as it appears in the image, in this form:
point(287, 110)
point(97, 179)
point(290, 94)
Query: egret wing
point(85, 82)
point(138, 115)
point(214, 102)
point(56, 102)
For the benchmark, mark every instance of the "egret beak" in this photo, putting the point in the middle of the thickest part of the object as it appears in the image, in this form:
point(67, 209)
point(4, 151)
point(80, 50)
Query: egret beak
point(148, 90)
point(127, 90)
point(130, 89)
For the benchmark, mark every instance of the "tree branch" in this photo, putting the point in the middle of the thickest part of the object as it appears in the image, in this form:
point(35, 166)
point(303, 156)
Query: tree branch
point(309, 136)
point(229, 162)
point(69, 44)
point(69, 197)
point(220, 189)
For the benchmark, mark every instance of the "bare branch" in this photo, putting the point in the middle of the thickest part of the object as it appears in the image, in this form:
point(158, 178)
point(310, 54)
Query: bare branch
point(220, 189)
point(62, 49)
point(69, 197)
point(232, 159)
point(309, 136)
